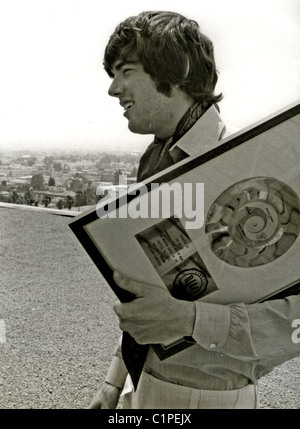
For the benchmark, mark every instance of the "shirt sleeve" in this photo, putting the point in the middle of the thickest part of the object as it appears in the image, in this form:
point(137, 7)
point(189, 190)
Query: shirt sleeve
point(256, 332)
point(212, 325)
point(117, 371)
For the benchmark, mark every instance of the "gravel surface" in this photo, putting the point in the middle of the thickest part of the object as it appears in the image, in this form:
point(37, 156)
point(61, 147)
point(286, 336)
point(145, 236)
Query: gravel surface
point(60, 329)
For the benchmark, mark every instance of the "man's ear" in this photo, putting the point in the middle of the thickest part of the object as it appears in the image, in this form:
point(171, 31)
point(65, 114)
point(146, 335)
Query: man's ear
point(180, 95)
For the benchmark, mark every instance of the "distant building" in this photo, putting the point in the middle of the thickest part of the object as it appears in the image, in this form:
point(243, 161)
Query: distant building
point(20, 180)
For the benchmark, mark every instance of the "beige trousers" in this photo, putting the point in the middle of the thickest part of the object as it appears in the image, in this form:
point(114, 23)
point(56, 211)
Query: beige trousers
point(153, 393)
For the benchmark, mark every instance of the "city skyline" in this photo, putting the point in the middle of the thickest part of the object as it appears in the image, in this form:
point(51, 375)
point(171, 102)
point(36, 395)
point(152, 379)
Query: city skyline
point(54, 89)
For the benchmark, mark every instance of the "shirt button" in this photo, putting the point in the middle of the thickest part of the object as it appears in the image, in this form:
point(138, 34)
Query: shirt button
point(212, 346)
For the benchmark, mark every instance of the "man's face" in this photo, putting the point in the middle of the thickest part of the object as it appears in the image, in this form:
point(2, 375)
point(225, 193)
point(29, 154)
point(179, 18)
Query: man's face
point(147, 110)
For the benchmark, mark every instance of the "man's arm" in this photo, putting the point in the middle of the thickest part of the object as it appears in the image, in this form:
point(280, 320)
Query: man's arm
point(106, 398)
point(257, 332)
point(108, 395)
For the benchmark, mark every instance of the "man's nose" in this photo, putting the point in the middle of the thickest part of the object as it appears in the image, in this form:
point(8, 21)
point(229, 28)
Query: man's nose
point(115, 88)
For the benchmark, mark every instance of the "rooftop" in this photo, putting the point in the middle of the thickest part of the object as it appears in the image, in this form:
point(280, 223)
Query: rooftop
point(60, 329)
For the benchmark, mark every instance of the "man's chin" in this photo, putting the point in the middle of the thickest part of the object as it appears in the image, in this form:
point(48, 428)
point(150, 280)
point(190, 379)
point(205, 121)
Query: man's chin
point(136, 129)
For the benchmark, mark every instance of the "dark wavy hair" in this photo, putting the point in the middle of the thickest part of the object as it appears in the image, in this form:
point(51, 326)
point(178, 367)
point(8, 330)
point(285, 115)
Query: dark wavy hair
point(171, 48)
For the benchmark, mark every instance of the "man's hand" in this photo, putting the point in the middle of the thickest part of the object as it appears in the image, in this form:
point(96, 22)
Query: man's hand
point(106, 398)
point(154, 316)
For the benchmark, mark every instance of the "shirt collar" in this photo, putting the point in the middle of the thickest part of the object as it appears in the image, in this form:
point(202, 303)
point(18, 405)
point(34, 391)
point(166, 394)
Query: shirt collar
point(204, 134)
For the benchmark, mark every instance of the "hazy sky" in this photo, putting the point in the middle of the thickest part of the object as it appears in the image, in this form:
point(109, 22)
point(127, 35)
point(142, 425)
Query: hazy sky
point(53, 90)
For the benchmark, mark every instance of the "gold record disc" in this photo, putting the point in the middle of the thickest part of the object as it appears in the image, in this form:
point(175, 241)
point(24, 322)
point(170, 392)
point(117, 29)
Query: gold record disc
point(253, 222)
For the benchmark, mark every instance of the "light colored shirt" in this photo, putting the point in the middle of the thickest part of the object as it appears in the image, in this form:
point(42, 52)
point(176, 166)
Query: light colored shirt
point(235, 344)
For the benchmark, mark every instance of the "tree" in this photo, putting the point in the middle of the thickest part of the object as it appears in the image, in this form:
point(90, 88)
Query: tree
point(37, 181)
point(28, 198)
point(108, 158)
point(48, 161)
point(14, 197)
point(76, 185)
point(46, 200)
point(69, 201)
point(90, 196)
point(80, 199)
point(59, 204)
point(57, 166)
point(51, 181)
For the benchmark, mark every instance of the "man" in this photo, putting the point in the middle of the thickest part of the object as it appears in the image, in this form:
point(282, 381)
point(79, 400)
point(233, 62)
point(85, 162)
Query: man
point(164, 75)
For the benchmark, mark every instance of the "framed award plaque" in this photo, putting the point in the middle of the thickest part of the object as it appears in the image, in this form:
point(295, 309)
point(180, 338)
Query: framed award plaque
point(221, 227)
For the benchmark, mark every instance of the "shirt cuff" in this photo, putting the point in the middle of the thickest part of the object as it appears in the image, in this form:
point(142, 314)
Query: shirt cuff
point(212, 325)
point(117, 372)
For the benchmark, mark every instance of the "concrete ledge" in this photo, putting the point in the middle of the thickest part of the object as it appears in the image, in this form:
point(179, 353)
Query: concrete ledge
point(69, 213)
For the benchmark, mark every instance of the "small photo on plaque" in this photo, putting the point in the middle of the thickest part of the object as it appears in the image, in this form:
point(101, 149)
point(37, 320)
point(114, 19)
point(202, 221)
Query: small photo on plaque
point(176, 260)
